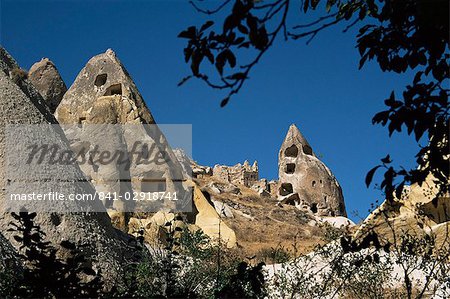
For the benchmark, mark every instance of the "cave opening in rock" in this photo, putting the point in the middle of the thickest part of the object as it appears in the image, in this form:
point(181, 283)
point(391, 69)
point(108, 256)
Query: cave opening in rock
point(291, 151)
point(114, 89)
point(307, 150)
point(313, 183)
point(81, 121)
point(286, 188)
point(314, 207)
point(292, 199)
point(290, 168)
point(100, 80)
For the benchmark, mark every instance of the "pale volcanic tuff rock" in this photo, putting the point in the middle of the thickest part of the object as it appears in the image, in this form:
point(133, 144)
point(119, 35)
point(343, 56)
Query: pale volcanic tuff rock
point(92, 231)
point(199, 171)
point(47, 80)
point(101, 79)
point(209, 220)
point(19, 77)
point(304, 180)
point(184, 161)
point(419, 210)
point(104, 93)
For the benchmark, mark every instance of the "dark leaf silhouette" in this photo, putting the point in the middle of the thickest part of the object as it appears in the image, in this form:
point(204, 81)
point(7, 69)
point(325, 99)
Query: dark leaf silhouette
point(224, 102)
point(370, 175)
point(206, 25)
point(189, 33)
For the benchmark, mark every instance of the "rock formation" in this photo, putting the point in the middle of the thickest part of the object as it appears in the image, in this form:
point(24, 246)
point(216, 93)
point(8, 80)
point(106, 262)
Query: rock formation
point(103, 245)
point(273, 188)
point(184, 161)
point(92, 96)
point(209, 220)
point(19, 77)
point(206, 215)
point(104, 94)
point(262, 187)
point(238, 174)
point(155, 228)
point(419, 210)
point(47, 80)
point(199, 171)
point(304, 180)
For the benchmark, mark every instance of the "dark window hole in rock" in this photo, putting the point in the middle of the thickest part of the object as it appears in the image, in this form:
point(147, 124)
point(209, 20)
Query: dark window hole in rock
point(285, 189)
point(291, 151)
point(114, 89)
point(290, 168)
point(307, 150)
point(100, 80)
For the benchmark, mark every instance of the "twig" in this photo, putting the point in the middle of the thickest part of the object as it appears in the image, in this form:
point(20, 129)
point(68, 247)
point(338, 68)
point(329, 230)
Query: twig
point(314, 32)
point(315, 22)
point(350, 25)
point(207, 11)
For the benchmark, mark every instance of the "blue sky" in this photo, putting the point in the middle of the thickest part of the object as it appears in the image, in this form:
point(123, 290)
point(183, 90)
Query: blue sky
point(318, 87)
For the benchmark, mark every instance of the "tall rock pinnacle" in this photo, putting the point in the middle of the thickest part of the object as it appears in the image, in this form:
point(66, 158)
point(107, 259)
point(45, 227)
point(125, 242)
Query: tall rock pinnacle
point(104, 94)
point(304, 180)
point(47, 80)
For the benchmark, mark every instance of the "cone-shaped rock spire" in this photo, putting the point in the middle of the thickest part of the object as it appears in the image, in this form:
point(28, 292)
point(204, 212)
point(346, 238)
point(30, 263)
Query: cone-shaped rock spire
point(47, 80)
point(103, 79)
point(104, 94)
point(294, 136)
point(304, 180)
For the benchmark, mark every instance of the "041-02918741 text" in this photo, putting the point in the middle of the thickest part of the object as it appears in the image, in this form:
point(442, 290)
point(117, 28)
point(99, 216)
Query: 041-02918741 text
point(138, 196)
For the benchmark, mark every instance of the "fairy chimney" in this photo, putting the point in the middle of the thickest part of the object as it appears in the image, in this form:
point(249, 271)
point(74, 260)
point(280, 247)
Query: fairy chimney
point(45, 77)
point(104, 94)
point(304, 180)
